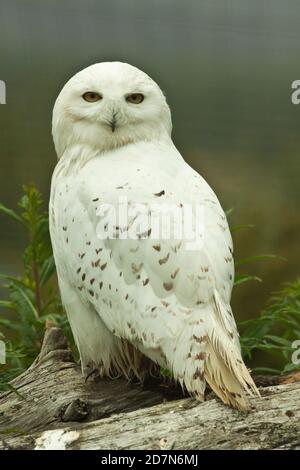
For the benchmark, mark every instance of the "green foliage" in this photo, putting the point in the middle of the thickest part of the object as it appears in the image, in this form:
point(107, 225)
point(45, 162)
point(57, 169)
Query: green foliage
point(275, 329)
point(32, 299)
point(278, 326)
point(240, 278)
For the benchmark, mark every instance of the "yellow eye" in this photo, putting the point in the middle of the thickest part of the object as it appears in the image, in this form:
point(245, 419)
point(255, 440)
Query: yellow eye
point(91, 96)
point(135, 98)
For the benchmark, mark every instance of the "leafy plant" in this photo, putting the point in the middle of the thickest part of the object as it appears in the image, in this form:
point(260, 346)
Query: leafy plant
point(275, 330)
point(32, 298)
point(278, 326)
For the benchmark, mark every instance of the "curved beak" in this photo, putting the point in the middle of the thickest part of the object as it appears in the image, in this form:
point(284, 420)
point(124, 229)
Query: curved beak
point(113, 122)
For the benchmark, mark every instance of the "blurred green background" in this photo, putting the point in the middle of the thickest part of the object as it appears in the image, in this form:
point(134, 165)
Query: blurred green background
point(226, 68)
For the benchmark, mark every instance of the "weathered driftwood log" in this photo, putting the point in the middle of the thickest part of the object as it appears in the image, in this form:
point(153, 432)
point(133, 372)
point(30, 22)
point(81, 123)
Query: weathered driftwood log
point(52, 407)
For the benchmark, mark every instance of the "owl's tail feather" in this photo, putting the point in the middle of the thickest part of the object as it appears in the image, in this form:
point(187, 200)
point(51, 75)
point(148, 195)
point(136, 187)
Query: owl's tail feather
point(231, 384)
point(225, 370)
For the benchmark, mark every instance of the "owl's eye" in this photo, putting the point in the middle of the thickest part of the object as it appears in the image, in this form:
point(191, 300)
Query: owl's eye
point(135, 98)
point(91, 96)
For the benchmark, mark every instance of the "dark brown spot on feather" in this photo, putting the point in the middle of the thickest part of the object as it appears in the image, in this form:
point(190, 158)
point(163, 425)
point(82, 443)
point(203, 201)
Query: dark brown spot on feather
point(157, 247)
point(200, 356)
point(199, 339)
point(145, 234)
point(222, 227)
point(136, 267)
point(164, 260)
point(175, 273)
point(103, 266)
point(168, 285)
point(161, 193)
point(199, 374)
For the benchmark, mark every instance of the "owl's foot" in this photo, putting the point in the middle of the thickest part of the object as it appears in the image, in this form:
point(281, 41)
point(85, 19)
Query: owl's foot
point(89, 372)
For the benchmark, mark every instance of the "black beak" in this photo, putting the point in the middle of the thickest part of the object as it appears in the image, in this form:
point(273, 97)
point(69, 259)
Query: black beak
point(113, 122)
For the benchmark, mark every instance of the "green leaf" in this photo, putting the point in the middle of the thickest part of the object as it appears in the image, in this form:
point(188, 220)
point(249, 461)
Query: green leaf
point(245, 278)
point(280, 341)
point(6, 304)
point(266, 370)
point(9, 324)
point(16, 391)
point(249, 259)
point(229, 211)
point(291, 367)
point(10, 213)
point(48, 269)
point(238, 228)
point(14, 280)
point(21, 296)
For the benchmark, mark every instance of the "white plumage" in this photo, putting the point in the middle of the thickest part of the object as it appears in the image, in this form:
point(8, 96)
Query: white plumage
point(128, 296)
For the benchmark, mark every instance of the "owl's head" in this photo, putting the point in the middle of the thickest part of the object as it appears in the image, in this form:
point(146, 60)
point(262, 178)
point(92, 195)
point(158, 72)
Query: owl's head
point(109, 105)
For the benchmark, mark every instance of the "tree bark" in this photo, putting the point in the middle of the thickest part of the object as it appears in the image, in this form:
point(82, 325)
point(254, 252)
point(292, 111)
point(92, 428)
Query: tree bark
point(51, 407)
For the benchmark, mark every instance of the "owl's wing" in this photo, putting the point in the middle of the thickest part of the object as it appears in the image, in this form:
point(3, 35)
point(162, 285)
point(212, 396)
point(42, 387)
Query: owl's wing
point(166, 292)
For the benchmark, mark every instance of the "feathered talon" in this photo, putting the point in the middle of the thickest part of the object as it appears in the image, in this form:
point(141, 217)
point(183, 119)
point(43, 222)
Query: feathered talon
point(90, 373)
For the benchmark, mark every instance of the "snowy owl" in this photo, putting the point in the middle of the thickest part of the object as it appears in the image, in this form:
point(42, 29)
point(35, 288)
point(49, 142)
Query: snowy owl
point(142, 246)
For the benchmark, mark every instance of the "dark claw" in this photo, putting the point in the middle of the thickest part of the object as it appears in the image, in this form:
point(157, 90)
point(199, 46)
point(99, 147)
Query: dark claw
point(93, 371)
